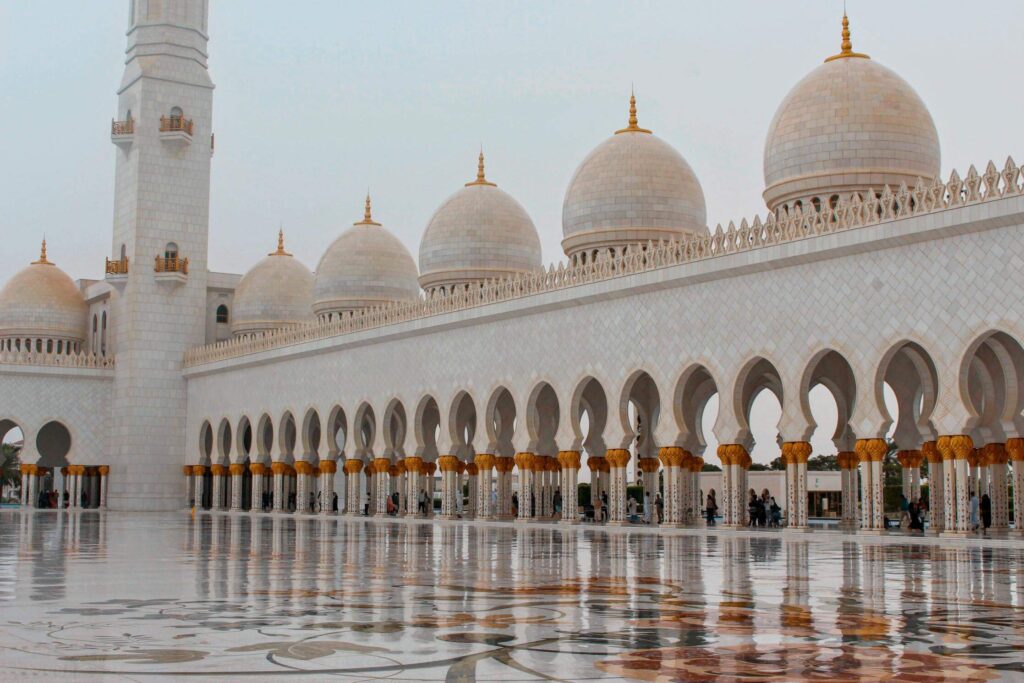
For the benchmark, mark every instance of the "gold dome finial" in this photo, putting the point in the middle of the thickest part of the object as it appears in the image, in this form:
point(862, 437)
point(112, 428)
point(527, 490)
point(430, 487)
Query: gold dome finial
point(480, 179)
point(846, 47)
point(42, 256)
point(368, 213)
point(280, 244)
point(632, 127)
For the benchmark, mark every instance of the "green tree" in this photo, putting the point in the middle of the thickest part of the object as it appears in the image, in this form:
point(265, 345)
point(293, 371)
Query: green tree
point(823, 463)
point(708, 467)
point(10, 467)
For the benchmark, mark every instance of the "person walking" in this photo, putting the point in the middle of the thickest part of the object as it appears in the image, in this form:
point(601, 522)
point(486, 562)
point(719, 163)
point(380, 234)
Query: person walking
point(604, 506)
point(904, 511)
point(556, 501)
point(515, 503)
point(648, 507)
point(986, 512)
point(974, 508)
point(659, 507)
point(775, 513)
point(631, 509)
point(711, 508)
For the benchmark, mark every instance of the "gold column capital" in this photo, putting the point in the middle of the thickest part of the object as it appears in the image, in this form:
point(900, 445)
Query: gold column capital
point(353, 466)
point(328, 467)
point(617, 457)
point(569, 460)
point(413, 464)
point(524, 461)
point(1015, 449)
point(484, 461)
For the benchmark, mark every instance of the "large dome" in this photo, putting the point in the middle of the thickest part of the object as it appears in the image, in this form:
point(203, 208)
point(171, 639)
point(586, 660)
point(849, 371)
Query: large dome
point(633, 188)
point(365, 266)
point(478, 233)
point(849, 125)
point(276, 292)
point(41, 302)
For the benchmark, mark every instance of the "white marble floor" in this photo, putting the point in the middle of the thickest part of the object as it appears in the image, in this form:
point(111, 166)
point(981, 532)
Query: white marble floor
point(119, 597)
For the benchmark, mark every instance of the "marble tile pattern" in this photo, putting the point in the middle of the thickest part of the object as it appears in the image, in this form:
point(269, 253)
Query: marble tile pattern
point(120, 597)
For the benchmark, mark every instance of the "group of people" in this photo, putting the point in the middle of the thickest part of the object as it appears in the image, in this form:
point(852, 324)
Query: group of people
point(649, 510)
point(913, 513)
point(52, 500)
point(763, 510)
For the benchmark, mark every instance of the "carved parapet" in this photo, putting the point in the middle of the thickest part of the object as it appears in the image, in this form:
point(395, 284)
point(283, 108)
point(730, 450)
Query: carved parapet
point(849, 213)
point(569, 460)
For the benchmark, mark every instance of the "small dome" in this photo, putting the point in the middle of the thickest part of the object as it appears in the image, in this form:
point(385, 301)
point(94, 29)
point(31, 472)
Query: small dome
point(42, 301)
point(276, 292)
point(633, 188)
point(849, 125)
point(365, 266)
point(479, 233)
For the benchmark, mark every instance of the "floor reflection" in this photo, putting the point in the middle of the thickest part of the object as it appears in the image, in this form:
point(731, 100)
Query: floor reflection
point(224, 595)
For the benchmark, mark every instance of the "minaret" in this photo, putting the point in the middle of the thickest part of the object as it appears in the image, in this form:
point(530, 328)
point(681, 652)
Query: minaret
point(161, 218)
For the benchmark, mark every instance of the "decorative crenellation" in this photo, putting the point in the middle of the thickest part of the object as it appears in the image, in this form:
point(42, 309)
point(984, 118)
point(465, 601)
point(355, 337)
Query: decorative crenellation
point(777, 227)
point(66, 360)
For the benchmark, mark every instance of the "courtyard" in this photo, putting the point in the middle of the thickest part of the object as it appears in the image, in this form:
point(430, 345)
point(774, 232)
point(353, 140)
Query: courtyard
point(144, 597)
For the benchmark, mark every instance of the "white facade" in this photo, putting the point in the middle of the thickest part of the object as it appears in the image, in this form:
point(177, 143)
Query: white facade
point(387, 387)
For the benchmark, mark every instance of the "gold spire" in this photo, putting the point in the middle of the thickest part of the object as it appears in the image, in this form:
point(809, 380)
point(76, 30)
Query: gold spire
point(846, 47)
point(480, 179)
point(367, 214)
point(280, 245)
point(42, 256)
point(632, 127)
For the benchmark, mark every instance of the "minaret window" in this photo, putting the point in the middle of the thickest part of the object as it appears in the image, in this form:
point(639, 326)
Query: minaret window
point(103, 334)
point(222, 314)
point(171, 251)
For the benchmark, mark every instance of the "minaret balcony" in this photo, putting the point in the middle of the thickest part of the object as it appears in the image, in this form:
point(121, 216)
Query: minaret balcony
point(176, 129)
point(117, 273)
point(122, 133)
point(171, 270)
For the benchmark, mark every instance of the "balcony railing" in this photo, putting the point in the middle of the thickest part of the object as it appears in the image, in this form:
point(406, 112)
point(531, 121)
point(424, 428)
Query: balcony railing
point(171, 264)
point(119, 267)
point(122, 127)
point(175, 124)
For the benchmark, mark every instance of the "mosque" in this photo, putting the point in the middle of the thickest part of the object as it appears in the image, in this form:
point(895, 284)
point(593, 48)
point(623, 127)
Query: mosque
point(477, 366)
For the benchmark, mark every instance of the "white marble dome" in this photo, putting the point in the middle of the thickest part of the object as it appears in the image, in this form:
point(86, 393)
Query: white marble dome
point(276, 292)
point(365, 266)
point(478, 233)
point(633, 188)
point(848, 126)
point(42, 302)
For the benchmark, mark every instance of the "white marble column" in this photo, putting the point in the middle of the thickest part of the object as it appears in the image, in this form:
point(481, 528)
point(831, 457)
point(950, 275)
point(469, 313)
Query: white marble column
point(999, 491)
point(257, 470)
point(186, 470)
point(198, 470)
point(936, 488)
point(485, 473)
point(1015, 451)
point(524, 463)
point(279, 470)
point(472, 488)
point(328, 468)
point(569, 463)
point(503, 486)
point(353, 467)
point(618, 459)
point(236, 470)
point(382, 485)
point(413, 469)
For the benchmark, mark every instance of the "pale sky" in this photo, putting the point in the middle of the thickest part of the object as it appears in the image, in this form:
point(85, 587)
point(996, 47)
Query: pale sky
point(317, 100)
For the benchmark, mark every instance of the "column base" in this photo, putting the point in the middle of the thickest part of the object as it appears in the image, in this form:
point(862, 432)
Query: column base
point(618, 522)
point(870, 532)
point(799, 529)
point(523, 520)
